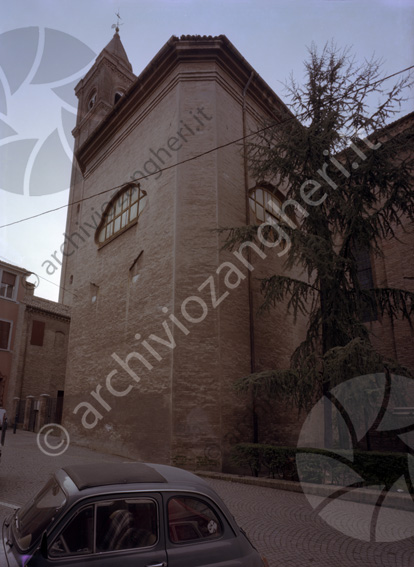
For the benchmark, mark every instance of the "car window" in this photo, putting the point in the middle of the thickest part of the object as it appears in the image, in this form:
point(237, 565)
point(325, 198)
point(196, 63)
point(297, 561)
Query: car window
point(192, 519)
point(126, 524)
point(33, 518)
point(120, 524)
point(77, 536)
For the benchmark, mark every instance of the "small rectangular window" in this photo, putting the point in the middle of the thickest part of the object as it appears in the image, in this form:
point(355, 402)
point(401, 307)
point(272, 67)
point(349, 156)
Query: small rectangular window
point(5, 332)
point(38, 331)
point(7, 286)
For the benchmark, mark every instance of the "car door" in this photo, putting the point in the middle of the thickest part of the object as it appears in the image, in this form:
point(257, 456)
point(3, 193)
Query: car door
point(112, 531)
point(198, 534)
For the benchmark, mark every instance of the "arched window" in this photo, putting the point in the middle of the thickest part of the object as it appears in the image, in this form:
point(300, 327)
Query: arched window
point(92, 100)
point(261, 201)
point(121, 213)
point(118, 96)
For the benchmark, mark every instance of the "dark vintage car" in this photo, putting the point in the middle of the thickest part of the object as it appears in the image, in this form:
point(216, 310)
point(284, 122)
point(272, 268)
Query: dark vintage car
point(124, 515)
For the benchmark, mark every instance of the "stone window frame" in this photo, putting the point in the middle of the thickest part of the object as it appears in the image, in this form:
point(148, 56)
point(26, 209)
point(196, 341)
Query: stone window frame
point(121, 213)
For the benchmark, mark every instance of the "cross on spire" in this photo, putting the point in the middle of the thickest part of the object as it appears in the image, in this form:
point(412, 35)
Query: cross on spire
point(116, 26)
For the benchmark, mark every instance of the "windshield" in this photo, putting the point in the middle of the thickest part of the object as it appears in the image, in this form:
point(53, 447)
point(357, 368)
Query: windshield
point(31, 520)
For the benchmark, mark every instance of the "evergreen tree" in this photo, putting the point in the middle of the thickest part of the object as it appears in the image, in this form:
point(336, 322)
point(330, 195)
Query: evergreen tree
point(350, 178)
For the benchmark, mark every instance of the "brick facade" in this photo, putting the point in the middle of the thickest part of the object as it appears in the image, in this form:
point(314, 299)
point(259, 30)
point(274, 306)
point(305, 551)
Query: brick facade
point(11, 317)
point(160, 276)
point(37, 379)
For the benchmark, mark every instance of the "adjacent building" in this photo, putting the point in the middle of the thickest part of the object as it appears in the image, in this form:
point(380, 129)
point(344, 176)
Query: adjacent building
point(12, 292)
point(34, 338)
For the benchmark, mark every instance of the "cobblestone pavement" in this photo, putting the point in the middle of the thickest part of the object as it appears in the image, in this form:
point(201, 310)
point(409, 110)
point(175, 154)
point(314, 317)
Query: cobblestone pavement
point(285, 529)
point(281, 524)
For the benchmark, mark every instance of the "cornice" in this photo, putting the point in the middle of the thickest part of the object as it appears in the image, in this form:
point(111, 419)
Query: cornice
point(47, 307)
point(45, 312)
point(175, 52)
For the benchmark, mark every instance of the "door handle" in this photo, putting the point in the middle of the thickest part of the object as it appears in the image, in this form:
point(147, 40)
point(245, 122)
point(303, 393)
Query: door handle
point(162, 564)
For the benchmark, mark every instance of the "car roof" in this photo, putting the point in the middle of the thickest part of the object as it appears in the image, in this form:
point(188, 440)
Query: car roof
point(94, 475)
point(106, 474)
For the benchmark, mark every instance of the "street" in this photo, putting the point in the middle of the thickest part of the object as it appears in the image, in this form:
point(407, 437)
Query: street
point(281, 524)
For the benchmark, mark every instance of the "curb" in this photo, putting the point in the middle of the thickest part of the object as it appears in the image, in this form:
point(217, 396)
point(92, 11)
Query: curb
point(361, 496)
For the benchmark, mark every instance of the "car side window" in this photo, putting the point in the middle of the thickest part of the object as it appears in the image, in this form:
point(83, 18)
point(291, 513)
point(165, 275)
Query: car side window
point(126, 524)
point(191, 519)
point(77, 537)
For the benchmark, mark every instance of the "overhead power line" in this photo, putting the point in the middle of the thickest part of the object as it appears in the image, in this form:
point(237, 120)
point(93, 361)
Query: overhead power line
point(186, 160)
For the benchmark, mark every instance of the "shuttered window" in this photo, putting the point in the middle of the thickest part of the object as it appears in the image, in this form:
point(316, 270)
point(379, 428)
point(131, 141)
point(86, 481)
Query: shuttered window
point(38, 331)
point(5, 331)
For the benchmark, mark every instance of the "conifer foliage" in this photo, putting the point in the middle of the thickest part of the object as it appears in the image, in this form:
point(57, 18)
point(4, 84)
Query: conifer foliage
point(348, 170)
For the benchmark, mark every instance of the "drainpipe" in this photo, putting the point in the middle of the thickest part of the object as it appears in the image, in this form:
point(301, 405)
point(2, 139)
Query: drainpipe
point(249, 284)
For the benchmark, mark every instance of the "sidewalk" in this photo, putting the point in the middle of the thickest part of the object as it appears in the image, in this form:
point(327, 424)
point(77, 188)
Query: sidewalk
point(361, 495)
point(25, 441)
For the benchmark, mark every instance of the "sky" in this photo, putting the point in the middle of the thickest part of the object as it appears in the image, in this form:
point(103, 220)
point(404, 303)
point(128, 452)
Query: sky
point(46, 46)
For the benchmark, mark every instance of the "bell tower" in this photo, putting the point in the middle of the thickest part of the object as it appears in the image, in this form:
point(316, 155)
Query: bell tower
point(101, 89)
point(98, 92)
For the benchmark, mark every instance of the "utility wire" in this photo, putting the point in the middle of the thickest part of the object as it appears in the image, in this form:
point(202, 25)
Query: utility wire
point(149, 175)
point(186, 160)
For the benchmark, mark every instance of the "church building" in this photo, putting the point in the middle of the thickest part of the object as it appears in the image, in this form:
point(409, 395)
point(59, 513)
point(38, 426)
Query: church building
point(163, 320)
